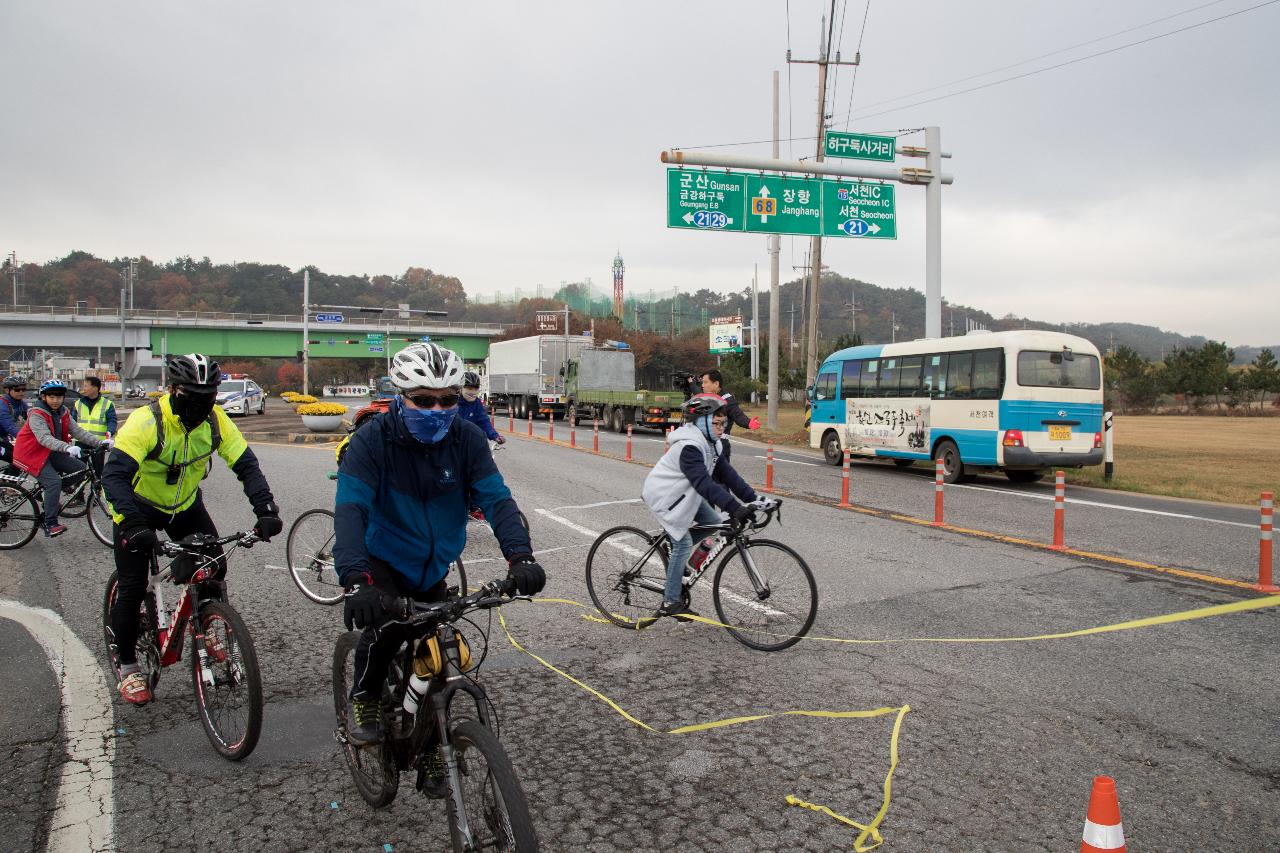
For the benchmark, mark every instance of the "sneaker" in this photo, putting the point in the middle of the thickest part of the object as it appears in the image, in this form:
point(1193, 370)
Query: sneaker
point(364, 721)
point(55, 529)
point(678, 609)
point(134, 688)
point(431, 776)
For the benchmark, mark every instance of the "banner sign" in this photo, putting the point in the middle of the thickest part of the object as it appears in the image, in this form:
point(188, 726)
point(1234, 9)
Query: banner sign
point(726, 335)
point(547, 321)
point(871, 424)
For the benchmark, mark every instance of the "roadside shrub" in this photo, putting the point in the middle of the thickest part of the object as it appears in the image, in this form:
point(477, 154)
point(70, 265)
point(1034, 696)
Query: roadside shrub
point(297, 399)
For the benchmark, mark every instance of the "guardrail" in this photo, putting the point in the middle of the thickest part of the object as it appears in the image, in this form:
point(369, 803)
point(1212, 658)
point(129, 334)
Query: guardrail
point(152, 316)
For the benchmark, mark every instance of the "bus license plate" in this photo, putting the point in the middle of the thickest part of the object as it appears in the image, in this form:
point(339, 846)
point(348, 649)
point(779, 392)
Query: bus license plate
point(1059, 433)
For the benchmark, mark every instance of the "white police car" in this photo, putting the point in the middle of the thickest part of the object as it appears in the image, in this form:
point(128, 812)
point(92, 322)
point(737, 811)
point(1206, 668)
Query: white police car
point(240, 395)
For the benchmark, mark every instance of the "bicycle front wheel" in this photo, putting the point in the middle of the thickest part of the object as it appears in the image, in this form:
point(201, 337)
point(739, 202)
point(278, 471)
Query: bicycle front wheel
point(19, 517)
point(776, 616)
point(626, 580)
point(309, 550)
point(457, 578)
point(493, 803)
point(100, 521)
point(373, 768)
point(227, 682)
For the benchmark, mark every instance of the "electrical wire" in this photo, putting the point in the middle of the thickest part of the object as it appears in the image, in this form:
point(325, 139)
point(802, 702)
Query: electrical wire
point(1070, 61)
point(858, 58)
point(790, 129)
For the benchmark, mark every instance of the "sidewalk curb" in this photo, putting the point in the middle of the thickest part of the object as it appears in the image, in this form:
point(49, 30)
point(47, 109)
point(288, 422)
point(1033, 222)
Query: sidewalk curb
point(295, 437)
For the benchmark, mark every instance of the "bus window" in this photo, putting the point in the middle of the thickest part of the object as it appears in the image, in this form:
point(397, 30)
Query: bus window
point(959, 376)
point(888, 378)
point(825, 386)
point(1062, 369)
point(934, 378)
point(849, 379)
point(870, 375)
point(986, 374)
point(909, 376)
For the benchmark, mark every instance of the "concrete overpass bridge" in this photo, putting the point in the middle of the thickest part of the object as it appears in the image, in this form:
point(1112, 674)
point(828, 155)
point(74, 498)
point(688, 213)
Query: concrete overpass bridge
point(147, 335)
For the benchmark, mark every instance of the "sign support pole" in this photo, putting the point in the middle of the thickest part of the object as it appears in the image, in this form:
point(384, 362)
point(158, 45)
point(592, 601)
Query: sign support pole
point(933, 234)
point(306, 332)
point(775, 246)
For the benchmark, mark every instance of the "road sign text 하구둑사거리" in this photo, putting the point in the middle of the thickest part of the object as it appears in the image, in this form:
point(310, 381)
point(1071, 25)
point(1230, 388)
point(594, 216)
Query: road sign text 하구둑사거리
point(860, 146)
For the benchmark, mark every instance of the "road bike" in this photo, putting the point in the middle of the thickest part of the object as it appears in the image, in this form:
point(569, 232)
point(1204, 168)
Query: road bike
point(764, 593)
point(486, 805)
point(224, 665)
point(22, 504)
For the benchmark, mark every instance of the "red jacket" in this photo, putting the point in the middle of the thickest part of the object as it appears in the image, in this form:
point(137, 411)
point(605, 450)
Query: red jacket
point(29, 454)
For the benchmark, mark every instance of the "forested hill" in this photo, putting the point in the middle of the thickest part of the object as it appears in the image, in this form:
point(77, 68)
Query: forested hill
point(847, 304)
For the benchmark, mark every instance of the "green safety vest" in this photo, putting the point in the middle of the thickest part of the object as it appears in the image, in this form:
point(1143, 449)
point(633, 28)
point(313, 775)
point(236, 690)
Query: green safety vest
point(95, 420)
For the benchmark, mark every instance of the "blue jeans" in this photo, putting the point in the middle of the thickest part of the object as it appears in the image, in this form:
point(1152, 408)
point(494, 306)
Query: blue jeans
point(49, 477)
point(681, 549)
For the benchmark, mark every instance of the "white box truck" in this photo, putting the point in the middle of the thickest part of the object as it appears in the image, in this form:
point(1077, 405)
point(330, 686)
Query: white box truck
point(526, 376)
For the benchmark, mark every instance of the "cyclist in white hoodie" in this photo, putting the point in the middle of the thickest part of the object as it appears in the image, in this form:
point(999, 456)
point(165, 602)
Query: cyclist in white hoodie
point(689, 481)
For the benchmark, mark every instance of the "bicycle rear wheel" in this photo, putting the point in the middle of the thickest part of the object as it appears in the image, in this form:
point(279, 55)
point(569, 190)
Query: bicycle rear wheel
point(19, 517)
point(373, 769)
point(497, 813)
point(626, 590)
point(309, 550)
point(148, 648)
point(100, 521)
point(227, 682)
point(780, 617)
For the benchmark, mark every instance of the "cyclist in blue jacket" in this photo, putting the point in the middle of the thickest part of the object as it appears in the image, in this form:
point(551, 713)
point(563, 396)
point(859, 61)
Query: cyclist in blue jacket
point(404, 487)
point(472, 407)
point(13, 406)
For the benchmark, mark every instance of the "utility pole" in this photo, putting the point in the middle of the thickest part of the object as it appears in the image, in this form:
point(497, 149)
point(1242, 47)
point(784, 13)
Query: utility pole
point(775, 248)
point(755, 330)
point(122, 297)
point(133, 274)
point(13, 269)
point(306, 331)
point(823, 60)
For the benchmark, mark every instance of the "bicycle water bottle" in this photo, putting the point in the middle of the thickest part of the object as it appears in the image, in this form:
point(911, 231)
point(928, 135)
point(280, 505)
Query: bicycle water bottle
point(415, 692)
point(700, 553)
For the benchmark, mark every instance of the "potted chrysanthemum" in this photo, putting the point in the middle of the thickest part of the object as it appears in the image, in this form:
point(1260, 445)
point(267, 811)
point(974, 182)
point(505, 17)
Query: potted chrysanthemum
point(322, 417)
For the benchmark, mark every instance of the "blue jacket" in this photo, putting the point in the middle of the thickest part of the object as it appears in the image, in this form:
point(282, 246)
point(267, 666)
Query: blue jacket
point(406, 502)
point(11, 411)
point(474, 411)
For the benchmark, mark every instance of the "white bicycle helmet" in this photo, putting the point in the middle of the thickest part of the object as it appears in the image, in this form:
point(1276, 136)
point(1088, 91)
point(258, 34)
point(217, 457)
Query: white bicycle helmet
point(426, 366)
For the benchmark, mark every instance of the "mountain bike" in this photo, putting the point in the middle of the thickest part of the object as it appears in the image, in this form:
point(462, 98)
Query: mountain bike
point(486, 806)
point(224, 665)
point(764, 593)
point(22, 504)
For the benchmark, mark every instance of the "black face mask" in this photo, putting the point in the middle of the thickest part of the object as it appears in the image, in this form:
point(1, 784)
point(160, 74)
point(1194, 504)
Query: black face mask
point(191, 409)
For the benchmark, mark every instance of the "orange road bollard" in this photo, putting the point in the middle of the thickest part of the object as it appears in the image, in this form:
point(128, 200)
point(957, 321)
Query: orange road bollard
point(1265, 534)
point(551, 428)
point(844, 477)
point(595, 437)
point(511, 421)
point(939, 475)
point(573, 433)
point(628, 442)
point(1059, 509)
point(530, 426)
point(768, 470)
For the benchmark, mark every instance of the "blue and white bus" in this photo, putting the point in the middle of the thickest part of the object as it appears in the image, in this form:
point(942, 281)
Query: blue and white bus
point(1020, 402)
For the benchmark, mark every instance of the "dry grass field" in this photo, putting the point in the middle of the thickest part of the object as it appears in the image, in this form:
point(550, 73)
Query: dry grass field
point(1229, 460)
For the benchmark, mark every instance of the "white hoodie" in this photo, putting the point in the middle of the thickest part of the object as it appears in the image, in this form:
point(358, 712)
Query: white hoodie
point(667, 491)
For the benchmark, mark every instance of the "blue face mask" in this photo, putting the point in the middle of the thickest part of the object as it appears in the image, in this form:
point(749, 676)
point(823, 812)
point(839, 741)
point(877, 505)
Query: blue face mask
point(426, 425)
point(704, 426)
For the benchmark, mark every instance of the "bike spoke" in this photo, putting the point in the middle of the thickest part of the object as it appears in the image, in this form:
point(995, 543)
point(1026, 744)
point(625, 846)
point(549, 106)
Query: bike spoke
point(776, 615)
point(625, 581)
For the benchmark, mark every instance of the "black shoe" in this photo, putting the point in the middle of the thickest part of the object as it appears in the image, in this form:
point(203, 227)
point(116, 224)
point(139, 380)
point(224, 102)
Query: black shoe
point(431, 776)
point(364, 721)
point(678, 609)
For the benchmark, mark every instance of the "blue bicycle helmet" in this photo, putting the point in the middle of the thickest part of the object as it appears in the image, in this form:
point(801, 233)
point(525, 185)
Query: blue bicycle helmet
point(53, 385)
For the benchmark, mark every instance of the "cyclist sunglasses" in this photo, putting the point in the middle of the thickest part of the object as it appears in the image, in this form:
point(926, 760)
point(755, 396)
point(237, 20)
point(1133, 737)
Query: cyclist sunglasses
point(426, 401)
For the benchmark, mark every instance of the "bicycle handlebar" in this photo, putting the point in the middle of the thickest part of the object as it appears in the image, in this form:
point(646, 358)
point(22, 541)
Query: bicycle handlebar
point(241, 539)
point(493, 594)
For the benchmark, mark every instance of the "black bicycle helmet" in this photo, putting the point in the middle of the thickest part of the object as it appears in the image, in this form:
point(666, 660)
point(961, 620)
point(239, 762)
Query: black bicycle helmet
point(702, 404)
point(194, 372)
point(15, 382)
point(471, 379)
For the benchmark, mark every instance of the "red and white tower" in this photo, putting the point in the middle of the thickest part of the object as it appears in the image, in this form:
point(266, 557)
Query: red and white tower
point(618, 270)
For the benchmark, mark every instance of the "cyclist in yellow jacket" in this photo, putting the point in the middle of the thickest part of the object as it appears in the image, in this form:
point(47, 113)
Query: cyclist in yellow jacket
point(153, 483)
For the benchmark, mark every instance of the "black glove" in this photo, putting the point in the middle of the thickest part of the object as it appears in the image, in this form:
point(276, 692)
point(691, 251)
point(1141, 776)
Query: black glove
point(269, 523)
point(139, 539)
point(528, 575)
point(362, 605)
point(742, 513)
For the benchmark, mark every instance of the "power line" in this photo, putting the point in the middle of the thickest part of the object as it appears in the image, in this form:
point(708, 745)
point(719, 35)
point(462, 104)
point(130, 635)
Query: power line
point(790, 129)
point(858, 56)
point(900, 132)
point(1071, 61)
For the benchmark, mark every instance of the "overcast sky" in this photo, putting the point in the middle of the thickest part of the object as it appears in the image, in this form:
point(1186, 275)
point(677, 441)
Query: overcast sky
point(516, 143)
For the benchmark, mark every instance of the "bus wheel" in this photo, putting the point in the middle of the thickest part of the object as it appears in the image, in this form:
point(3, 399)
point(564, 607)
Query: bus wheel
point(1022, 475)
point(952, 465)
point(831, 450)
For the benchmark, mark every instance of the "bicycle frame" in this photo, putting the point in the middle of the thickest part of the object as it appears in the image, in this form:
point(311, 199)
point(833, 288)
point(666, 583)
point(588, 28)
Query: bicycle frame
point(737, 536)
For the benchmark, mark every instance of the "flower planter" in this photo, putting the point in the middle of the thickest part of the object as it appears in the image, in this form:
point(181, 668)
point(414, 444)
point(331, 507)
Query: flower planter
point(322, 423)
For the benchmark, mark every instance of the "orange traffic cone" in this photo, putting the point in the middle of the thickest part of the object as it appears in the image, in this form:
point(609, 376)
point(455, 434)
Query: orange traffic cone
point(1103, 832)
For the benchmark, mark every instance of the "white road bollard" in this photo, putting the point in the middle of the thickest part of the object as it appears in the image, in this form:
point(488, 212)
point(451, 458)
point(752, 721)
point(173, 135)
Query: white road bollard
point(1108, 432)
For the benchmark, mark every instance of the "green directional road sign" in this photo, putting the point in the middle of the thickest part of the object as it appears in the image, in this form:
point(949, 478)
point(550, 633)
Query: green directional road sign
point(778, 205)
point(860, 146)
point(705, 201)
point(858, 209)
point(374, 337)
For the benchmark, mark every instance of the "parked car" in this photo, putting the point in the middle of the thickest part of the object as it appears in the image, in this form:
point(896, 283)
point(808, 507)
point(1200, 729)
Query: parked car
point(240, 395)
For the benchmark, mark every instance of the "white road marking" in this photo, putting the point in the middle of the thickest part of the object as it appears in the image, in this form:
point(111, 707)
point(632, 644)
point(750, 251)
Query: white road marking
point(777, 458)
point(470, 562)
point(593, 506)
point(586, 531)
point(749, 602)
point(84, 816)
point(1104, 505)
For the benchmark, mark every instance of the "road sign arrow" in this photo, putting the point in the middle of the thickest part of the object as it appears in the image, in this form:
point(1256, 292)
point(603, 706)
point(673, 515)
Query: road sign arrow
point(873, 228)
point(688, 218)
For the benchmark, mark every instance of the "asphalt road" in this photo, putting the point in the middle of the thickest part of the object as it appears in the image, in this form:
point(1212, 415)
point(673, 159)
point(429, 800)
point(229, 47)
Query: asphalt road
point(996, 752)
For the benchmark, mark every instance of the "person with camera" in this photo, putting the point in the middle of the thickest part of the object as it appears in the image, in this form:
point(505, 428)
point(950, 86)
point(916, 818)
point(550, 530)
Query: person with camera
point(153, 483)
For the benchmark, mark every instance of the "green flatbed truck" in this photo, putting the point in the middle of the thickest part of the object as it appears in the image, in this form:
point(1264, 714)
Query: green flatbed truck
point(600, 383)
